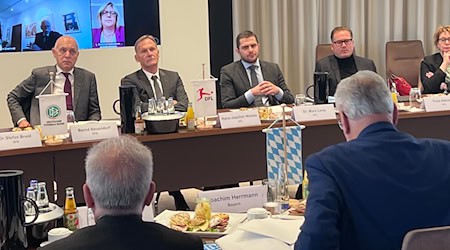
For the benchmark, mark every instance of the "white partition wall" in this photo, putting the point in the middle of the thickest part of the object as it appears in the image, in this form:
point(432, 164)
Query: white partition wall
point(185, 47)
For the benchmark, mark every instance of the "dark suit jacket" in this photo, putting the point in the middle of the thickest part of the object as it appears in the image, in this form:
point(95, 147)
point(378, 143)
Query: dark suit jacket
point(431, 64)
point(50, 43)
point(234, 83)
point(127, 232)
point(329, 64)
point(171, 84)
point(22, 102)
point(369, 192)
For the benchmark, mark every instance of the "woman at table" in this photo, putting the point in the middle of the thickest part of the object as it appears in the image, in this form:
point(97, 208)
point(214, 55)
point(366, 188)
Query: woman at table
point(435, 68)
point(110, 34)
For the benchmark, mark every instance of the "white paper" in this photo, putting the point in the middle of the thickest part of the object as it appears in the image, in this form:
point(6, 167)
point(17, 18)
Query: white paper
point(21, 139)
point(93, 131)
point(236, 200)
point(314, 112)
point(239, 119)
point(437, 103)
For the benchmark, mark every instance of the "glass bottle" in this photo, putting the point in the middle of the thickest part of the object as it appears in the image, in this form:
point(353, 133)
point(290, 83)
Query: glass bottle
point(203, 208)
point(70, 210)
point(190, 117)
point(42, 198)
point(282, 188)
point(139, 122)
point(34, 185)
point(305, 184)
point(394, 92)
point(29, 209)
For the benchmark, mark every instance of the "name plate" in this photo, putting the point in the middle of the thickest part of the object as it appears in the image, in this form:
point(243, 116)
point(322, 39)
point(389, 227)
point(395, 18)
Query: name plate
point(22, 139)
point(93, 131)
point(437, 103)
point(239, 119)
point(236, 200)
point(314, 113)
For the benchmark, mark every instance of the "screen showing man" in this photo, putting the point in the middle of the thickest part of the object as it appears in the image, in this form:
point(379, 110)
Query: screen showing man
point(46, 39)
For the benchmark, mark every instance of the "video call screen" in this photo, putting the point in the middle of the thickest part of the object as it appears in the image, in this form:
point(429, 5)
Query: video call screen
point(93, 23)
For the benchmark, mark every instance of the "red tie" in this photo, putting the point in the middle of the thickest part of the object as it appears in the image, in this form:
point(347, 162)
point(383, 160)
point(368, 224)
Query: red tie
point(68, 90)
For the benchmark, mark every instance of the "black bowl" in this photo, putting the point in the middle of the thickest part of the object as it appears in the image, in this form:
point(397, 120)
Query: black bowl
point(162, 124)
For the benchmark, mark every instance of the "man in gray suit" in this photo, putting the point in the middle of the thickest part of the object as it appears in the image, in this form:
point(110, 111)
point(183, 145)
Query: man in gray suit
point(252, 82)
point(151, 81)
point(343, 63)
point(80, 85)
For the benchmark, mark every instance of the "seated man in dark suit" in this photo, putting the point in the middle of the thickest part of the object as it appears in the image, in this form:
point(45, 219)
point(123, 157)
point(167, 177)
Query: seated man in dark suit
point(344, 62)
point(250, 81)
point(46, 39)
point(152, 82)
point(368, 192)
point(79, 83)
point(118, 186)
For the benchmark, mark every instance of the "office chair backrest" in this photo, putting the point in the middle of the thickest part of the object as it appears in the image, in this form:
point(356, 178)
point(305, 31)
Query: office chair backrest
point(323, 50)
point(435, 238)
point(403, 59)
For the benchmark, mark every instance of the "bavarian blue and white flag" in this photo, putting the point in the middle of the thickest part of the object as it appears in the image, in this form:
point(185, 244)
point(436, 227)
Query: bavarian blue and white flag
point(275, 153)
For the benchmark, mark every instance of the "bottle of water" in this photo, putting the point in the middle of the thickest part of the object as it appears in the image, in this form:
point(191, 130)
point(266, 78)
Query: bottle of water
point(42, 198)
point(34, 185)
point(29, 210)
point(282, 196)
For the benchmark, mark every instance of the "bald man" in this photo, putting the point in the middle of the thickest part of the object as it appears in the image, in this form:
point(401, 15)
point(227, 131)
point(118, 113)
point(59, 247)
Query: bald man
point(80, 84)
point(46, 39)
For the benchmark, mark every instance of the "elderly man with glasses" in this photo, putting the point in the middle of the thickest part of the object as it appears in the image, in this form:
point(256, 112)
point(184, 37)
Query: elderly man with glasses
point(343, 63)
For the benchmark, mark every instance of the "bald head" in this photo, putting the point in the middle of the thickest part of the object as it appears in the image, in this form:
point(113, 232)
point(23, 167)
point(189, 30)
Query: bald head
point(66, 52)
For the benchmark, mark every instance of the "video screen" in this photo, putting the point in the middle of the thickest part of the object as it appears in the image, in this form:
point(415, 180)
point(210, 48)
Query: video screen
point(34, 25)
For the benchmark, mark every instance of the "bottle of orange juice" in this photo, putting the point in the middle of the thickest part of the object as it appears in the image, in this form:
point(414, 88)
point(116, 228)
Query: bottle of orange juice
point(190, 117)
point(394, 92)
point(70, 210)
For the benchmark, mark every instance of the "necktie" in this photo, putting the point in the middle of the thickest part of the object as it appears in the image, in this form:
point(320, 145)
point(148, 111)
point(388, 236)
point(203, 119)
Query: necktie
point(158, 92)
point(68, 90)
point(254, 81)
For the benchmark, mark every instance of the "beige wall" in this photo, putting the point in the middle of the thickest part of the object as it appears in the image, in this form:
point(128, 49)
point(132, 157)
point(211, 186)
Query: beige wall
point(185, 47)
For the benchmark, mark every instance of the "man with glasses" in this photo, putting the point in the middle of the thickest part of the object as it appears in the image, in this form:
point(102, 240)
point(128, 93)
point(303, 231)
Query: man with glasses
point(368, 192)
point(343, 63)
point(78, 83)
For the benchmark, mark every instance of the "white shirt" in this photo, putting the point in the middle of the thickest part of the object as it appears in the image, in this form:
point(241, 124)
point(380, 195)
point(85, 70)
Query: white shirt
point(149, 77)
point(60, 80)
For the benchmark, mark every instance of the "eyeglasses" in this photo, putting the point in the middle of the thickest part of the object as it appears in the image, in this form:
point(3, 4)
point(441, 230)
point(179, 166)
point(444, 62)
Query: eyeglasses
point(63, 51)
point(112, 13)
point(444, 39)
point(341, 42)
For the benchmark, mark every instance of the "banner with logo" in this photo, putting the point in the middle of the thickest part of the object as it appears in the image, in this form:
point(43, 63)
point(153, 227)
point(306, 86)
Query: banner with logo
point(275, 153)
point(205, 97)
point(53, 114)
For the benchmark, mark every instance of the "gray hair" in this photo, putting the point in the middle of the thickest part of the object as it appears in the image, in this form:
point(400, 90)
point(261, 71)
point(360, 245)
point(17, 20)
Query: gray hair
point(142, 38)
point(363, 93)
point(118, 173)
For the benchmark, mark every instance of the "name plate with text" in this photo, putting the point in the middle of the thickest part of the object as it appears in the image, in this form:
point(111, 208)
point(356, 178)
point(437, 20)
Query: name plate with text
point(239, 119)
point(236, 200)
point(314, 112)
point(437, 103)
point(93, 131)
point(22, 139)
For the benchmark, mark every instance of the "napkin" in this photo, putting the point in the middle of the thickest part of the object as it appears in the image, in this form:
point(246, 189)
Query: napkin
point(263, 234)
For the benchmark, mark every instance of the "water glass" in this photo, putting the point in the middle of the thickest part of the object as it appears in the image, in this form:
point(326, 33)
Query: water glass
point(271, 189)
point(170, 106)
point(160, 104)
point(414, 95)
point(299, 99)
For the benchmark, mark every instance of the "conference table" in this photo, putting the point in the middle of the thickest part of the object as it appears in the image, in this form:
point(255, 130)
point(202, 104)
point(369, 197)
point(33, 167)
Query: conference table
point(198, 158)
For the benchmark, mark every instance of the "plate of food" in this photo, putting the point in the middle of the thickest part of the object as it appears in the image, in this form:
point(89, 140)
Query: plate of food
point(218, 225)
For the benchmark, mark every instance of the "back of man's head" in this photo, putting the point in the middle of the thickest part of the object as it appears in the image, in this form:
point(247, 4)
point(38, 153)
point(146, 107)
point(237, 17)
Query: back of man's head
point(119, 175)
point(364, 93)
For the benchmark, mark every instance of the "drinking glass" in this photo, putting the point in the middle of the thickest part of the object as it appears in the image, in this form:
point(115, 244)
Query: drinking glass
point(160, 106)
point(299, 99)
point(414, 95)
